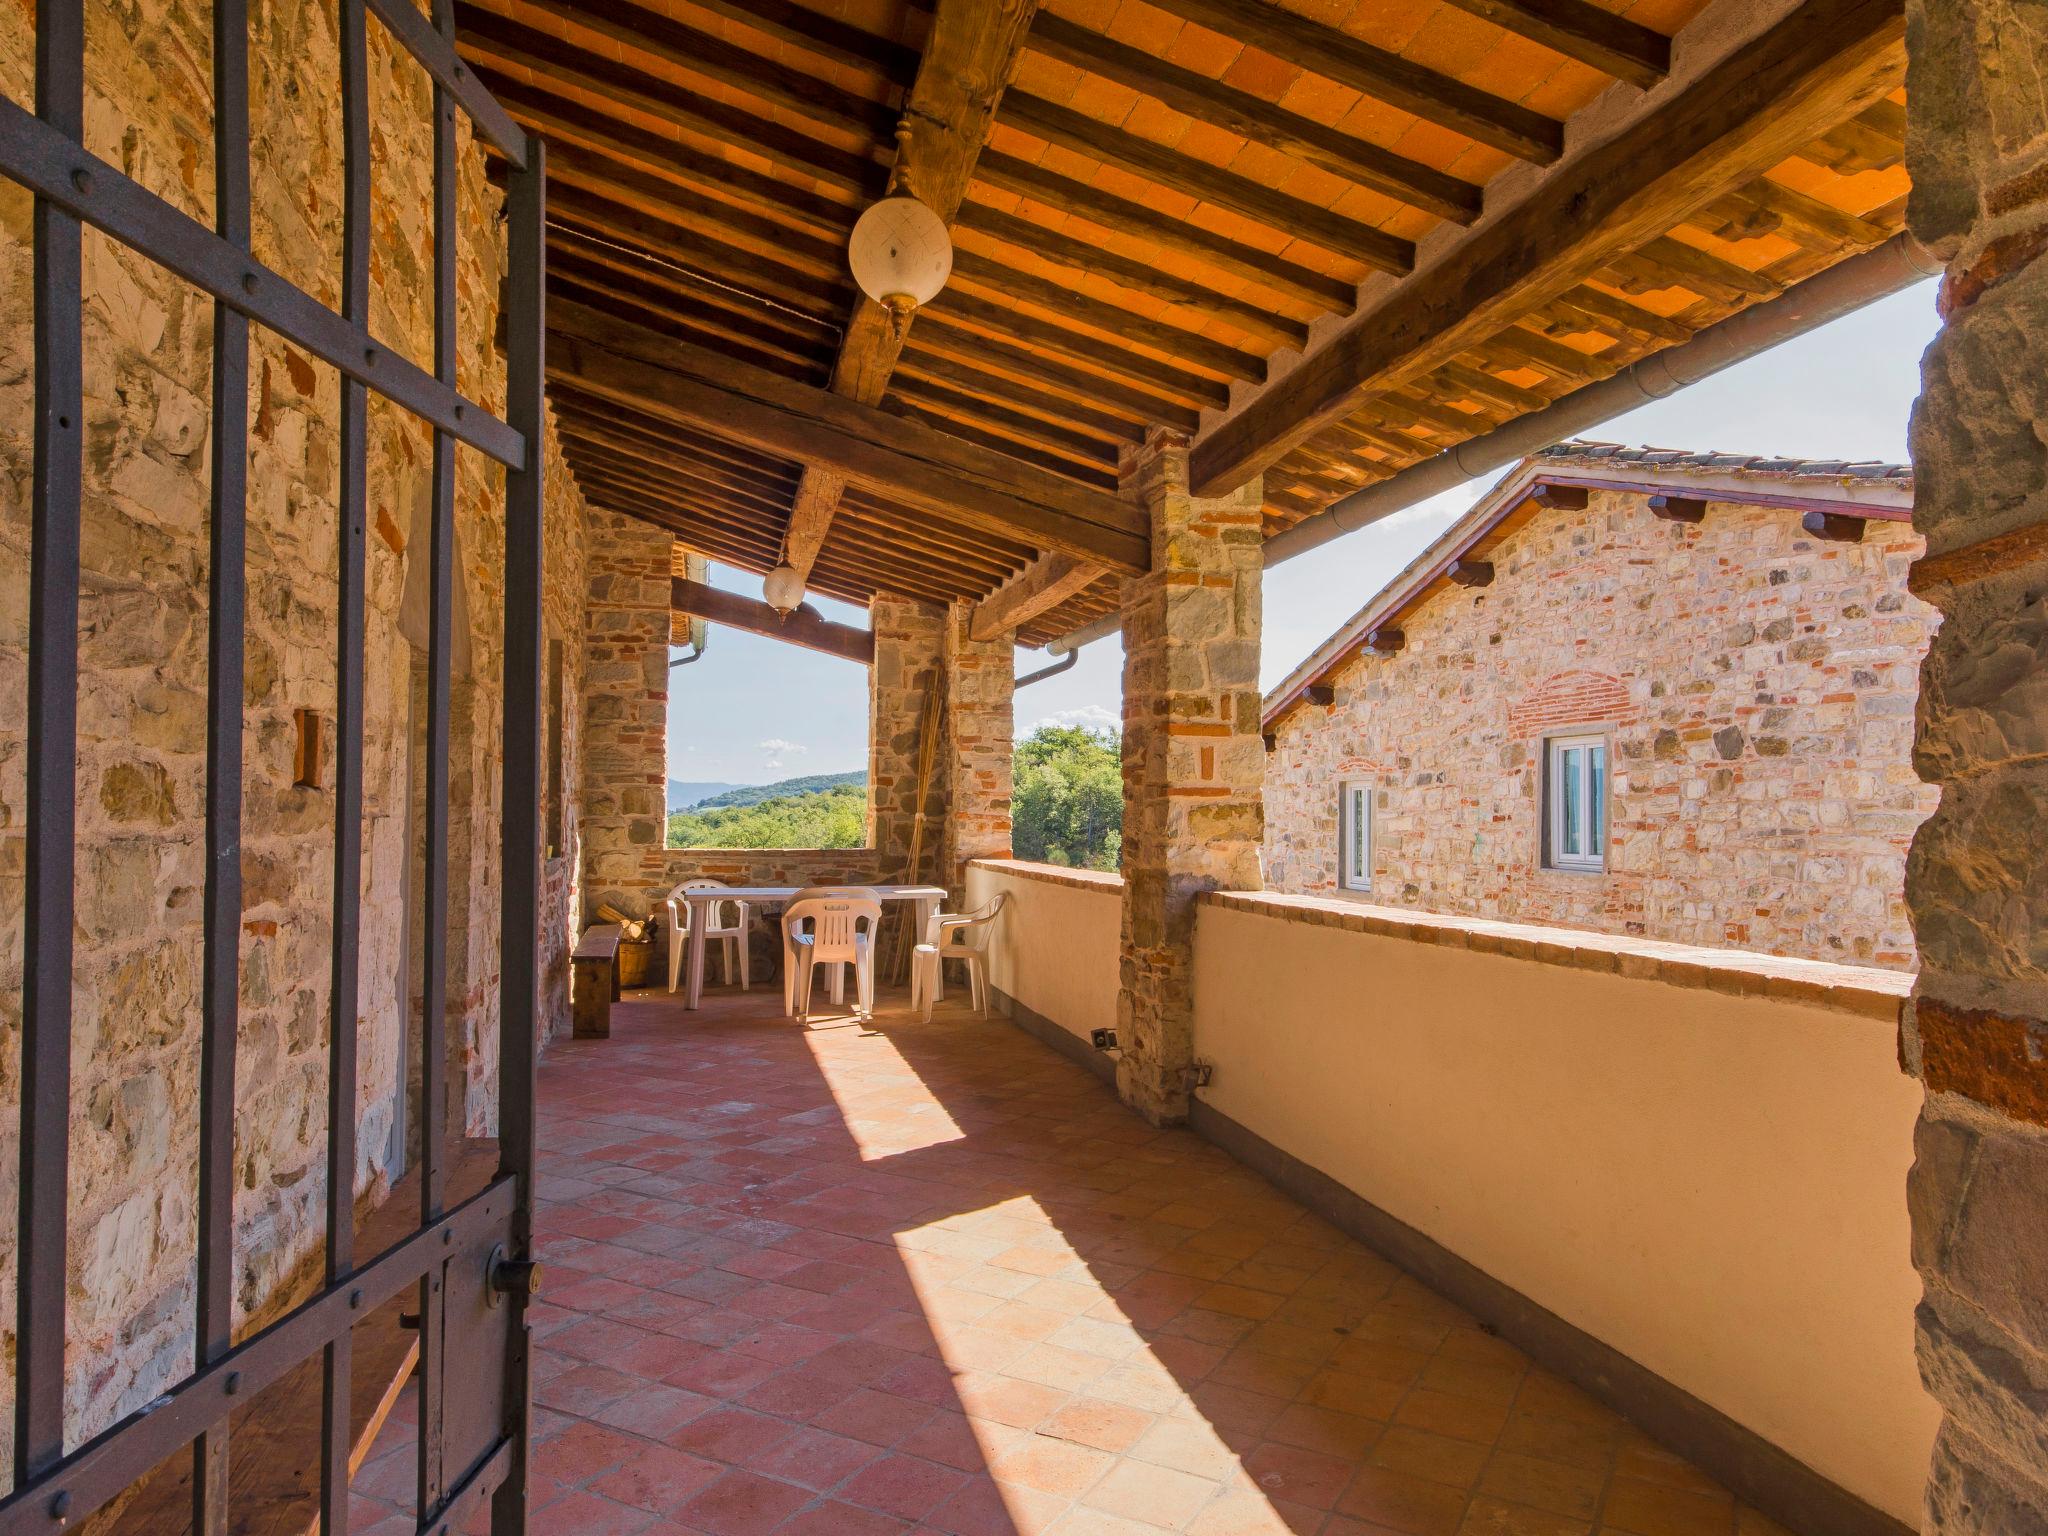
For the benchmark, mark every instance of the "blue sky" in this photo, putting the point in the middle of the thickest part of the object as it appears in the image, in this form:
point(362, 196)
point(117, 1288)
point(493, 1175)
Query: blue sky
point(754, 710)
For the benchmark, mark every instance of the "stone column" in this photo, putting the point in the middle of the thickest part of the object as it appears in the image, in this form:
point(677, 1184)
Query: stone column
point(1977, 881)
point(909, 652)
point(1193, 762)
point(626, 629)
point(981, 677)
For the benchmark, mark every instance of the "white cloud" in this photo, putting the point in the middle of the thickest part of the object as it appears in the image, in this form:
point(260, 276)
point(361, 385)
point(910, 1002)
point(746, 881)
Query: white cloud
point(1092, 717)
point(780, 747)
point(773, 762)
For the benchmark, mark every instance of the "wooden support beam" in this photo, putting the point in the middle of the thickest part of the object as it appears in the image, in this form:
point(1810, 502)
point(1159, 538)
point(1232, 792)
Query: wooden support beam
point(1814, 69)
point(1322, 695)
point(1833, 527)
point(937, 475)
point(803, 627)
point(1375, 72)
point(970, 53)
point(1085, 135)
point(1386, 642)
point(1678, 509)
point(1251, 117)
point(1039, 588)
point(1471, 573)
point(1612, 44)
point(1561, 498)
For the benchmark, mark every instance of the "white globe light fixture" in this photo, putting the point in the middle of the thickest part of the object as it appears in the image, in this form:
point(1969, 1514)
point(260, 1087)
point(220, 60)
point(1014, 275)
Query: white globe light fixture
point(900, 253)
point(782, 589)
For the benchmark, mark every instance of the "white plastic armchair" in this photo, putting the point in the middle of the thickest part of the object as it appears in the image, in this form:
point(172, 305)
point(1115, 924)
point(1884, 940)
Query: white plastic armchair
point(833, 930)
point(960, 936)
point(725, 930)
point(789, 954)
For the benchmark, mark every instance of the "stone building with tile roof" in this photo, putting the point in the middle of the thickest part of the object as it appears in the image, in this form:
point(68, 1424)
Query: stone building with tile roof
point(1641, 691)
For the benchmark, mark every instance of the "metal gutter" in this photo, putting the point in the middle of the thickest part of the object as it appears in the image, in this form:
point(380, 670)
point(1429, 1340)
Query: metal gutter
point(1886, 269)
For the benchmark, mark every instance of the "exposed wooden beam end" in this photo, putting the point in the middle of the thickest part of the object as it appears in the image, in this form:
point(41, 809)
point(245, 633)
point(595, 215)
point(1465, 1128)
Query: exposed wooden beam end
point(1039, 588)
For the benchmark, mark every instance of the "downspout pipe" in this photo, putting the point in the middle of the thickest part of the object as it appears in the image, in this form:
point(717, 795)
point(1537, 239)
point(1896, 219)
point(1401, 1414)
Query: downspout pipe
point(1883, 270)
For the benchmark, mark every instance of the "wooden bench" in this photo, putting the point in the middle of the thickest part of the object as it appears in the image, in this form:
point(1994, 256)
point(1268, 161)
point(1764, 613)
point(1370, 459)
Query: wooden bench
point(594, 982)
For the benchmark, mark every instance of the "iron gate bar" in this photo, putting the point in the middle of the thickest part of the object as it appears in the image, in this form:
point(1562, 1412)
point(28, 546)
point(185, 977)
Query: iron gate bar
point(434, 954)
point(436, 54)
point(55, 168)
point(351, 554)
point(111, 1460)
point(52, 769)
point(226, 595)
point(520, 835)
point(482, 1482)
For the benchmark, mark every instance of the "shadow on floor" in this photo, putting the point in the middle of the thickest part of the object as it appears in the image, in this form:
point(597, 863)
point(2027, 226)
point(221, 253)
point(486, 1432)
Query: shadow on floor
point(853, 1279)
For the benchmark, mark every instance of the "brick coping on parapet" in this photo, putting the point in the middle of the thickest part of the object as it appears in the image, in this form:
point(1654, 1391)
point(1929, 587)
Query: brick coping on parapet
point(1863, 990)
point(1053, 874)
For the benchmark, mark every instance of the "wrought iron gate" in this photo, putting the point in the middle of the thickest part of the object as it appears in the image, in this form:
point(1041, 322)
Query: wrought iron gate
point(466, 1262)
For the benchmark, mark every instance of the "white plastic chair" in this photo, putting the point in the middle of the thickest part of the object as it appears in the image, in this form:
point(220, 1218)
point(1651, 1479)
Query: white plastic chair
point(728, 938)
point(789, 955)
point(955, 936)
point(833, 930)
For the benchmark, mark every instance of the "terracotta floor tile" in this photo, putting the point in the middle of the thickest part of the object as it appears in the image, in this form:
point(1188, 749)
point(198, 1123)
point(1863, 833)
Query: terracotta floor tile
point(1159, 1495)
point(931, 1278)
point(1651, 1509)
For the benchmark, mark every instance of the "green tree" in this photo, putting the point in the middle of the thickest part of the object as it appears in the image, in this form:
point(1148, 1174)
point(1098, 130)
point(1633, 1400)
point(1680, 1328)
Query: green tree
point(1068, 804)
point(832, 818)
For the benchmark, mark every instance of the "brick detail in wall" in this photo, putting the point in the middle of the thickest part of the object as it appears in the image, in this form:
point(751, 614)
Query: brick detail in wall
point(1758, 688)
point(1193, 759)
point(1977, 882)
point(980, 683)
point(142, 716)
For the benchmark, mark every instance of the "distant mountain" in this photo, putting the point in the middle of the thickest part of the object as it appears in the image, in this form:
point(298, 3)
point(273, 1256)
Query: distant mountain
point(682, 795)
point(754, 794)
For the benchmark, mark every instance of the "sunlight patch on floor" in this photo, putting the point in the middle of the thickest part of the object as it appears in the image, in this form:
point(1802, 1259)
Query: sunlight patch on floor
point(886, 1109)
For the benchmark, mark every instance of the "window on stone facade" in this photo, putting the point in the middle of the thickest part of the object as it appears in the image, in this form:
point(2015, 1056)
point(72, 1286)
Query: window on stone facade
point(1575, 803)
point(1354, 833)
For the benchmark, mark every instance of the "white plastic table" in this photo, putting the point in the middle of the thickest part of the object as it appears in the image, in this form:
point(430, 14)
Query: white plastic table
point(925, 897)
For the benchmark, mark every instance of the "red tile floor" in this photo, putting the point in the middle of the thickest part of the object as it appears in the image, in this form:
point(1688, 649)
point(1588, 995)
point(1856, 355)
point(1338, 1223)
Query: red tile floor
point(849, 1280)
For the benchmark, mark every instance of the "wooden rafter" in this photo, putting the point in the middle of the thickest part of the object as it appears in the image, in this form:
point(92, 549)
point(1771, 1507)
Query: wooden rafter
point(803, 627)
point(1039, 588)
point(1810, 71)
point(970, 53)
point(1384, 76)
point(1613, 44)
point(941, 476)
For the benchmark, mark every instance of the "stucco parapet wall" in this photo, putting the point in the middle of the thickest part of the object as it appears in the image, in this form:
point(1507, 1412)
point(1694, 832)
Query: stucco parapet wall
point(1054, 874)
point(1860, 990)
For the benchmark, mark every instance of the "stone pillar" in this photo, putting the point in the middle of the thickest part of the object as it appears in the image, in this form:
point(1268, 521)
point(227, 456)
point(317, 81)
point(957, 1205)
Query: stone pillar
point(626, 629)
point(1977, 882)
point(1193, 762)
point(981, 678)
point(909, 653)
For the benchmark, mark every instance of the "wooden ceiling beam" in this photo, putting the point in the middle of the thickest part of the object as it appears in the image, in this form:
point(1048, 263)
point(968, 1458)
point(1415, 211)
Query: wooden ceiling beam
point(1039, 588)
point(639, 34)
point(1818, 66)
point(1079, 447)
point(970, 51)
point(1151, 382)
point(923, 363)
point(939, 475)
point(1064, 195)
point(1085, 257)
point(1375, 72)
point(815, 33)
point(502, 49)
point(1289, 216)
point(1612, 44)
point(616, 299)
point(1003, 441)
point(1358, 161)
point(943, 333)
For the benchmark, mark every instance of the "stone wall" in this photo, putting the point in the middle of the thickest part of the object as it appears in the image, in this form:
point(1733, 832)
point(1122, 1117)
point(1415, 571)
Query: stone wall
point(976, 754)
point(143, 637)
point(1192, 758)
point(1977, 1035)
point(1758, 685)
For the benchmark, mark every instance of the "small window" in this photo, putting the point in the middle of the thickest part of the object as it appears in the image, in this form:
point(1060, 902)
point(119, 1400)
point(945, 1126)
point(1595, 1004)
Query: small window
point(1354, 832)
point(1575, 778)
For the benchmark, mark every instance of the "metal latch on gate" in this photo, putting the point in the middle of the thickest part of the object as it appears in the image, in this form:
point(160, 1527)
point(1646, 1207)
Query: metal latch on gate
point(506, 1276)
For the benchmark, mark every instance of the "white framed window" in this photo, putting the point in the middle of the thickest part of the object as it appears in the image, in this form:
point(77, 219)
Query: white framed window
point(1354, 836)
point(1575, 803)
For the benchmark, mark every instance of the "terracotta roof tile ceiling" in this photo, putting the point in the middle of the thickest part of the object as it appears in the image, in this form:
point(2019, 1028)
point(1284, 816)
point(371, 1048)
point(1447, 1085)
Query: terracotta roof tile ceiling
point(1326, 239)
